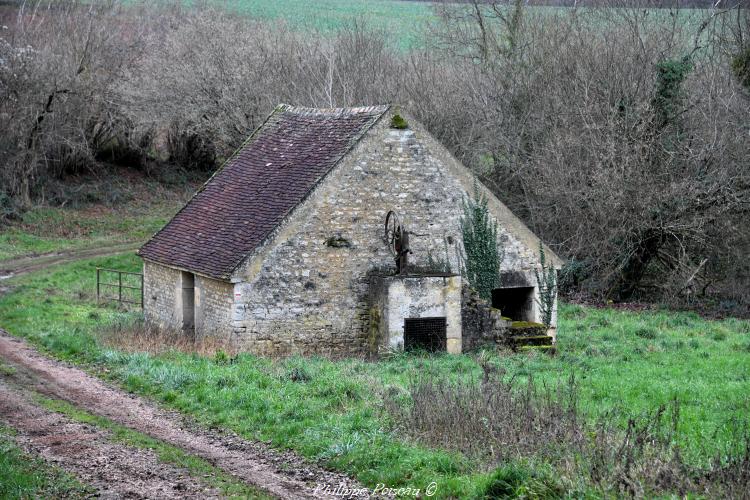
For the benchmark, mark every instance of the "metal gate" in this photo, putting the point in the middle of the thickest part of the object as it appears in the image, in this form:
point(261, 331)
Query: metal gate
point(127, 290)
point(425, 333)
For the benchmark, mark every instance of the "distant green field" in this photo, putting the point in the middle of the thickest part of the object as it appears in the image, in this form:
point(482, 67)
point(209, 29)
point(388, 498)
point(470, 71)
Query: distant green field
point(404, 21)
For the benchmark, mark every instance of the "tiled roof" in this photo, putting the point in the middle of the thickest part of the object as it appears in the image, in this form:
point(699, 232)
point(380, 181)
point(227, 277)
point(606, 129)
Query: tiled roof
point(252, 193)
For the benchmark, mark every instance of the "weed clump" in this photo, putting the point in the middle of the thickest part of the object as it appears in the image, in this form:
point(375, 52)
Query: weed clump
point(299, 374)
point(507, 426)
point(646, 332)
point(398, 122)
point(515, 480)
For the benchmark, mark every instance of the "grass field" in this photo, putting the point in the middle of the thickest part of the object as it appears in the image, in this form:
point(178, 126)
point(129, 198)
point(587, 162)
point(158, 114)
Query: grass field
point(54, 229)
point(334, 412)
point(23, 476)
point(403, 21)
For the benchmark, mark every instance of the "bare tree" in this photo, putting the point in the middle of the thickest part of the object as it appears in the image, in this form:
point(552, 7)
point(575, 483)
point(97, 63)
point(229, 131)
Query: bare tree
point(611, 133)
point(58, 66)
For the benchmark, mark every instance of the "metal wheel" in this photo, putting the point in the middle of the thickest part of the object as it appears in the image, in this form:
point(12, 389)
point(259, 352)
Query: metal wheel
point(392, 232)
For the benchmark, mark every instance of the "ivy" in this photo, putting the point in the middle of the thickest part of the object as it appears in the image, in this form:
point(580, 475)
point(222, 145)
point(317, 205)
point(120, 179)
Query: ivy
point(546, 281)
point(741, 67)
point(670, 75)
point(482, 255)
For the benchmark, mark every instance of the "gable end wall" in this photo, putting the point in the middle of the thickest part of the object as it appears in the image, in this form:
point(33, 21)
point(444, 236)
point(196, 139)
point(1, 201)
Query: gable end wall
point(296, 294)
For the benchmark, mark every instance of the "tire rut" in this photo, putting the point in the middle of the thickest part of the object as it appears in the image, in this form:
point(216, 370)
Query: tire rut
point(113, 470)
point(283, 474)
point(23, 265)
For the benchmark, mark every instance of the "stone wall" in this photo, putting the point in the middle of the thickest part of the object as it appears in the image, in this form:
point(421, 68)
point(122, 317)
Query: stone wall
point(161, 300)
point(306, 289)
point(483, 325)
point(213, 307)
point(396, 298)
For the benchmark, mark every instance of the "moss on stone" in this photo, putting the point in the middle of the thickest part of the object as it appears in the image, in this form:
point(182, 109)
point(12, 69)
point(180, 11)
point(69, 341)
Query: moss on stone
point(374, 331)
point(338, 241)
point(526, 324)
point(398, 122)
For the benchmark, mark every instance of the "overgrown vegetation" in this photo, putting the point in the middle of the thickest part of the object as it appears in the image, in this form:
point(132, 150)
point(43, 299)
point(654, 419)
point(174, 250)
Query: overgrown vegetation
point(347, 414)
point(482, 252)
point(141, 208)
point(546, 283)
point(23, 476)
point(498, 421)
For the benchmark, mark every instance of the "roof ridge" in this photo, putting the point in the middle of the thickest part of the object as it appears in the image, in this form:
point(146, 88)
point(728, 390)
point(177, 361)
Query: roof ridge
point(305, 110)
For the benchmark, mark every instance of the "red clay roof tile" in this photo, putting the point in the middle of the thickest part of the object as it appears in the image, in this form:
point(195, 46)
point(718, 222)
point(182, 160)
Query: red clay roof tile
point(252, 193)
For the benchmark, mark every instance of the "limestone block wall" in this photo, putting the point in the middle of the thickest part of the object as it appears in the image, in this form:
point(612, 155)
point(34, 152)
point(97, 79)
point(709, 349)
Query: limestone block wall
point(400, 297)
point(213, 307)
point(161, 295)
point(483, 325)
point(307, 289)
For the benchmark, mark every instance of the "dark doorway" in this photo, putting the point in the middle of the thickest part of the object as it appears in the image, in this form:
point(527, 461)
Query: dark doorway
point(514, 303)
point(425, 333)
point(188, 302)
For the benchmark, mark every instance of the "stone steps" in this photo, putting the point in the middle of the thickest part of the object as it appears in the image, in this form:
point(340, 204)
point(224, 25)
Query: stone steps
point(526, 336)
point(539, 340)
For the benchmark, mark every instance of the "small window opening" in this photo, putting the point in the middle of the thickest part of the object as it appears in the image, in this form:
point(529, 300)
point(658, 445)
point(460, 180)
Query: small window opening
point(425, 333)
point(515, 303)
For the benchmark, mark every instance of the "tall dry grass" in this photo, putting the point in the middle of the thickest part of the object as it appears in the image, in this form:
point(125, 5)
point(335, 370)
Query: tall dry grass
point(139, 336)
point(499, 421)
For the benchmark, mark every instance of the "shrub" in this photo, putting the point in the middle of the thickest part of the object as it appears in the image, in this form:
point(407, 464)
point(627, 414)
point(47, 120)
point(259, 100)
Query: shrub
point(516, 480)
point(741, 67)
point(546, 281)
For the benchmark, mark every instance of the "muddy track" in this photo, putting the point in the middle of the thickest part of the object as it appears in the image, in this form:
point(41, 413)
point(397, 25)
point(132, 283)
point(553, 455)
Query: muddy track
point(283, 474)
point(27, 264)
point(114, 470)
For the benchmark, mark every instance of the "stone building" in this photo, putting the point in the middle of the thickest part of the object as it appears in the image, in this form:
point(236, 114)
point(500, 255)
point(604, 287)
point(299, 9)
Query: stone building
point(282, 251)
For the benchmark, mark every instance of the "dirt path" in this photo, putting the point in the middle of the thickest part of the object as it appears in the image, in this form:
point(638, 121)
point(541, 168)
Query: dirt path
point(283, 474)
point(27, 264)
point(114, 470)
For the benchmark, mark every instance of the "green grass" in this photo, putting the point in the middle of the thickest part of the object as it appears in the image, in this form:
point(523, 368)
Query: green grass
point(23, 476)
point(96, 222)
point(403, 22)
point(195, 466)
point(332, 412)
point(59, 229)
